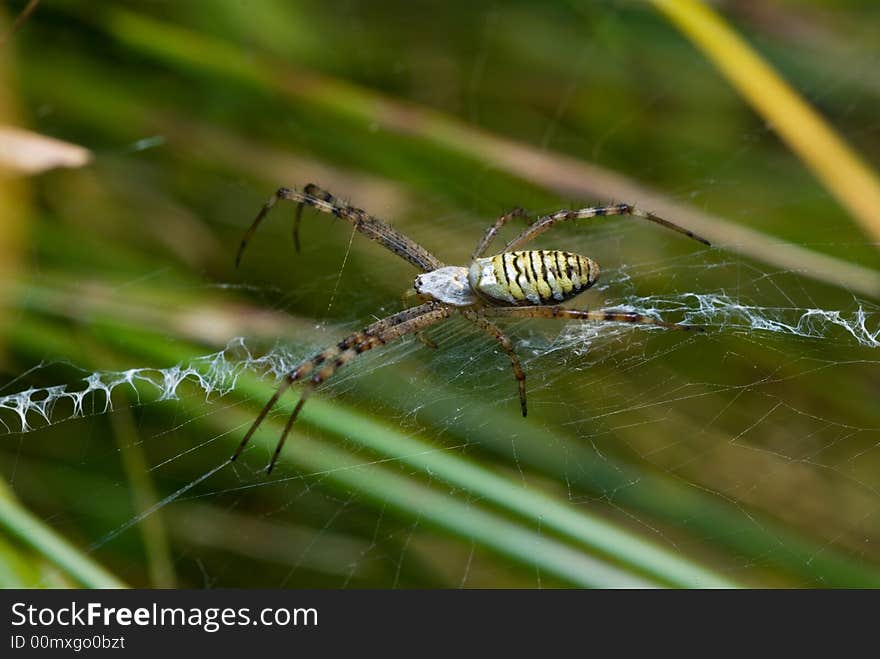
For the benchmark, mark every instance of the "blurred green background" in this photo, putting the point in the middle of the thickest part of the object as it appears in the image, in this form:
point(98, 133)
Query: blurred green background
point(745, 456)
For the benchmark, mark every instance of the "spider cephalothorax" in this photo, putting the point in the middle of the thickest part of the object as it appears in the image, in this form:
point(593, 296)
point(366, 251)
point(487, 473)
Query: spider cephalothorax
point(512, 284)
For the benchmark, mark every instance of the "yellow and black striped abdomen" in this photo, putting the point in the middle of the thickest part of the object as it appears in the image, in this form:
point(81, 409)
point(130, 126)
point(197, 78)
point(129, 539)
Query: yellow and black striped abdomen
point(532, 277)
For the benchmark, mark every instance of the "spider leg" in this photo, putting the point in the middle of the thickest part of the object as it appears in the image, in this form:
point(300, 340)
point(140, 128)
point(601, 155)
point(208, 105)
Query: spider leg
point(596, 315)
point(306, 367)
point(493, 230)
point(370, 226)
point(325, 364)
point(287, 426)
point(426, 340)
point(495, 332)
point(300, 371)
point(252, 229)
point(297, 218)
point(542, 224)
point(289, 379)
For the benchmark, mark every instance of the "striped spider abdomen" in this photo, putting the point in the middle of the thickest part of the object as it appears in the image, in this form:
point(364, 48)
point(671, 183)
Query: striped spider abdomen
point(532, 277)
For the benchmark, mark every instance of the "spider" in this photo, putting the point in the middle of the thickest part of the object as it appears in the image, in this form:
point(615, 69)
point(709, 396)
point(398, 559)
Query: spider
point(512, 284)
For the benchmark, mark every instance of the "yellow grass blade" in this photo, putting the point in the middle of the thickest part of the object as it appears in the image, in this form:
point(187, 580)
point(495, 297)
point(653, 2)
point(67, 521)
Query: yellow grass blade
point(840, 169)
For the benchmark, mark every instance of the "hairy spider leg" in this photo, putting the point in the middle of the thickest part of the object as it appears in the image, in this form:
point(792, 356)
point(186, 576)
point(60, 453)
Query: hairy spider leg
point(597, 315)
point(496, 333)
point(493, 230)
point(544, 223)
point(297, 218)
point(362, 341)
point(330, 360)
point(304, 368)
point(370, 226)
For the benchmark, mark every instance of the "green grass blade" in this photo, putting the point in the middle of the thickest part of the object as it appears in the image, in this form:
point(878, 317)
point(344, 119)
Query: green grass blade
point(20, 523)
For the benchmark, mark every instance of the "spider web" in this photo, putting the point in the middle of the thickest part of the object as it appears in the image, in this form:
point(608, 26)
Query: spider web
point(608, 454)
point(216, 374)
point(750, 449)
